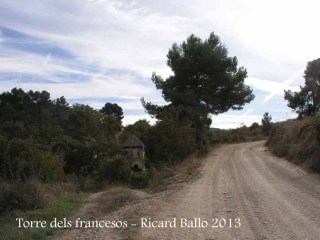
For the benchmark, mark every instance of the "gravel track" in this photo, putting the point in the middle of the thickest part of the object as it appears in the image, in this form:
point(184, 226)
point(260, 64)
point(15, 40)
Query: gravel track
point(273, 198)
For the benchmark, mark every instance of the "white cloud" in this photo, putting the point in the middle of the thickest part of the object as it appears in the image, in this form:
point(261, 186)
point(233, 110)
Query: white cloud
point(28, 63)
point(272, 87)
point(2, 39)
point(272, 39)
point(104, 33)
point(95, 88)
point(137, 35)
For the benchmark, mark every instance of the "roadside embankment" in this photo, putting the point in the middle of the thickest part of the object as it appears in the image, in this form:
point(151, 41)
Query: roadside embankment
point(297, 141)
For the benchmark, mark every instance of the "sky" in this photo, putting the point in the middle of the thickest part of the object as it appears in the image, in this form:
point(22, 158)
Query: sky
point(98, 51)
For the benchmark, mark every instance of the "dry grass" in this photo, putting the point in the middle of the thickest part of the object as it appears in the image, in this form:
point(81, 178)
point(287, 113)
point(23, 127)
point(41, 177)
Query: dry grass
point(60, 208)
point(166, 176)
point(111, 200)
point(32, 194)
point(297, 141)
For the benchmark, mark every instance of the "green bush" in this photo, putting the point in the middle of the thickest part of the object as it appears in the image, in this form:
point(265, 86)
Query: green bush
point(22, 160)
point(79, 158)
point(169, 141)
point(139, 179)
point(115, 170)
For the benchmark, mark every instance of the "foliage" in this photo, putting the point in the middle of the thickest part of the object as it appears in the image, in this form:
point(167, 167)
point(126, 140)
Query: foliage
point(204, 81)
point(114, 170)
point(241, 134)
point(140, 129)
point(298, 141)
point(266, 124)
point(83, 123)
point(21, 160)
point(112, 117)
point(168, 141)
point(80, 158)
point(24, 196)
point(112, 110)
point(43, 138)
point(62, 208)
point(8, 199)
point(254, 125)
point(306, 102)
point(139, 179)
point(229, 136)
point(317, 123)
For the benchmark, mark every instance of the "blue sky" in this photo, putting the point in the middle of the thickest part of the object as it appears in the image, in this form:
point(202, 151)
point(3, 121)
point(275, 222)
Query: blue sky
point(96, 51)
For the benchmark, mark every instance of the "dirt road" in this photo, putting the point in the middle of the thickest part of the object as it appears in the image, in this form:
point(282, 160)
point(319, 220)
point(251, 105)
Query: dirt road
point(270, 197)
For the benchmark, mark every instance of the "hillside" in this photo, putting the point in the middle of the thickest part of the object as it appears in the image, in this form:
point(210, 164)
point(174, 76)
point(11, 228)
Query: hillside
point(298, 141)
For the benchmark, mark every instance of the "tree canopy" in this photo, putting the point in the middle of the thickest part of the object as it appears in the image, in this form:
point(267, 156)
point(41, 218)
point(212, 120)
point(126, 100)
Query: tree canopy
point(266, 123)
point(204, 77)
point(306, 102)
point(112, 110)
point(205, 81)
point(42, 138)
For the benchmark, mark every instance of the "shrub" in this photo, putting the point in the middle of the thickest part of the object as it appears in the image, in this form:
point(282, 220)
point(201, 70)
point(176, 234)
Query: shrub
point(29, 195)
point(266, 124)
point(139, 179)
point(169, 141)
point(8, 198)
point(24, 160)
point(79, 158)
point(115, 170)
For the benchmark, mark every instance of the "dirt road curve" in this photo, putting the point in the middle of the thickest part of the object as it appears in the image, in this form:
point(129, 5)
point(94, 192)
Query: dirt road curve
point(272, 198)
